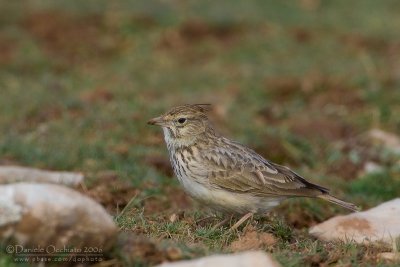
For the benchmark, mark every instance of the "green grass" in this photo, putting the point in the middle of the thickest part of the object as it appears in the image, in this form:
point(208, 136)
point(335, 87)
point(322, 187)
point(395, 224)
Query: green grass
point(300, 83)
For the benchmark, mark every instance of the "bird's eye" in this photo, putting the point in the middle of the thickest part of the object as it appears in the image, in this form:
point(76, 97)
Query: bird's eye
point(181, 120)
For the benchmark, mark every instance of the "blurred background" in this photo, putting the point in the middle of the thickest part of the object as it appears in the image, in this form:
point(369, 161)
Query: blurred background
point(303, 82)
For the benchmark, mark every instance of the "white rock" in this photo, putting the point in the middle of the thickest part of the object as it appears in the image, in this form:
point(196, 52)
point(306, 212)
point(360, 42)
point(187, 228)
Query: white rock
point(381, 223)
point(14, 174)
point(390, 256)
point(244, 259)
point(47, 214)
point(372, 167)
point(389, 140)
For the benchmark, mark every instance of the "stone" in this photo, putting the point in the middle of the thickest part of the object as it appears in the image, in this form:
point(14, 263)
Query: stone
point(372, 167)
point(389, 140)
point(15, 174)
point(389, 256)
point(244, 259)
point(379, 224)
point(53, 215)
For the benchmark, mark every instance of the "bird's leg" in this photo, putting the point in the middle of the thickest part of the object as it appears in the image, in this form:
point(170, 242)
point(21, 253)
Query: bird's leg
point(205, 218)
point(218, 225)
point(242, 220)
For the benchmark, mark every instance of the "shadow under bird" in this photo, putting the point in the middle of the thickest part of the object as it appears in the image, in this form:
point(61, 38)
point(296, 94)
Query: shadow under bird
point(226, 175)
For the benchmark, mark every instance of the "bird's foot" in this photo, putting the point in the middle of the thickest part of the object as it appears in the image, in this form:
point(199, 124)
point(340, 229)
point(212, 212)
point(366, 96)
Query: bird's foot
point(241, 221)
point(205, 219)
point(221, 223)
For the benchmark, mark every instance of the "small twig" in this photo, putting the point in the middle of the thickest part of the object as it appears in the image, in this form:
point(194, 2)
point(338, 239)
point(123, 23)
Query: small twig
point(127, 206)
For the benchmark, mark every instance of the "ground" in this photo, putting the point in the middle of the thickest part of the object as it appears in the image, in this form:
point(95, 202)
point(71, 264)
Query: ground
point(301, 82)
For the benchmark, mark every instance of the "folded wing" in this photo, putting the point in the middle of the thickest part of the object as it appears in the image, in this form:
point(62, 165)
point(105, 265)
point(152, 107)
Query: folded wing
point(239, 169)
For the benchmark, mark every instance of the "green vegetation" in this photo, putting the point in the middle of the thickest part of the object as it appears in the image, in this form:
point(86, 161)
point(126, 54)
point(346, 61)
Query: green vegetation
point(299, 81)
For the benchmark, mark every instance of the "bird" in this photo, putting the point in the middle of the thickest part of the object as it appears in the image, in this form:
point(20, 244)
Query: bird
point(225, 175)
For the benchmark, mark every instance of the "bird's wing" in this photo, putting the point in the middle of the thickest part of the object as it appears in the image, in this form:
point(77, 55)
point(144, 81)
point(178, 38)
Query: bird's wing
point(240, 169)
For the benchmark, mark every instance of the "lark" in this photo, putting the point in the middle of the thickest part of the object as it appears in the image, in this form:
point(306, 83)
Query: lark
point(225, 175)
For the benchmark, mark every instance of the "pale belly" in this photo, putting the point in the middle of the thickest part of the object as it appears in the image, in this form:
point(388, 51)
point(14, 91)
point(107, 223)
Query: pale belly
point(226, 201)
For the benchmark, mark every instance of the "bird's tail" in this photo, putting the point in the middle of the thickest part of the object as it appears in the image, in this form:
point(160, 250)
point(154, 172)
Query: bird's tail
point(339, 202)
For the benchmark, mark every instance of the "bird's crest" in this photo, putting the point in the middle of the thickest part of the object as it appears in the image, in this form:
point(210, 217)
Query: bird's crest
point(190, 108)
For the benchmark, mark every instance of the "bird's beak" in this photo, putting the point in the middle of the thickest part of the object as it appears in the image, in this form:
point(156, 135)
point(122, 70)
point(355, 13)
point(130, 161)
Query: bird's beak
point(157, 121)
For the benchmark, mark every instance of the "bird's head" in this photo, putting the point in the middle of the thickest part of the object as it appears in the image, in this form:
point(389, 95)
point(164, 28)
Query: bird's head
point(182, 125)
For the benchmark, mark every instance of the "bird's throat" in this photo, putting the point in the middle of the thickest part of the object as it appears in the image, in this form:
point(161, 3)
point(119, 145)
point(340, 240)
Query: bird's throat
point(174, 142)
